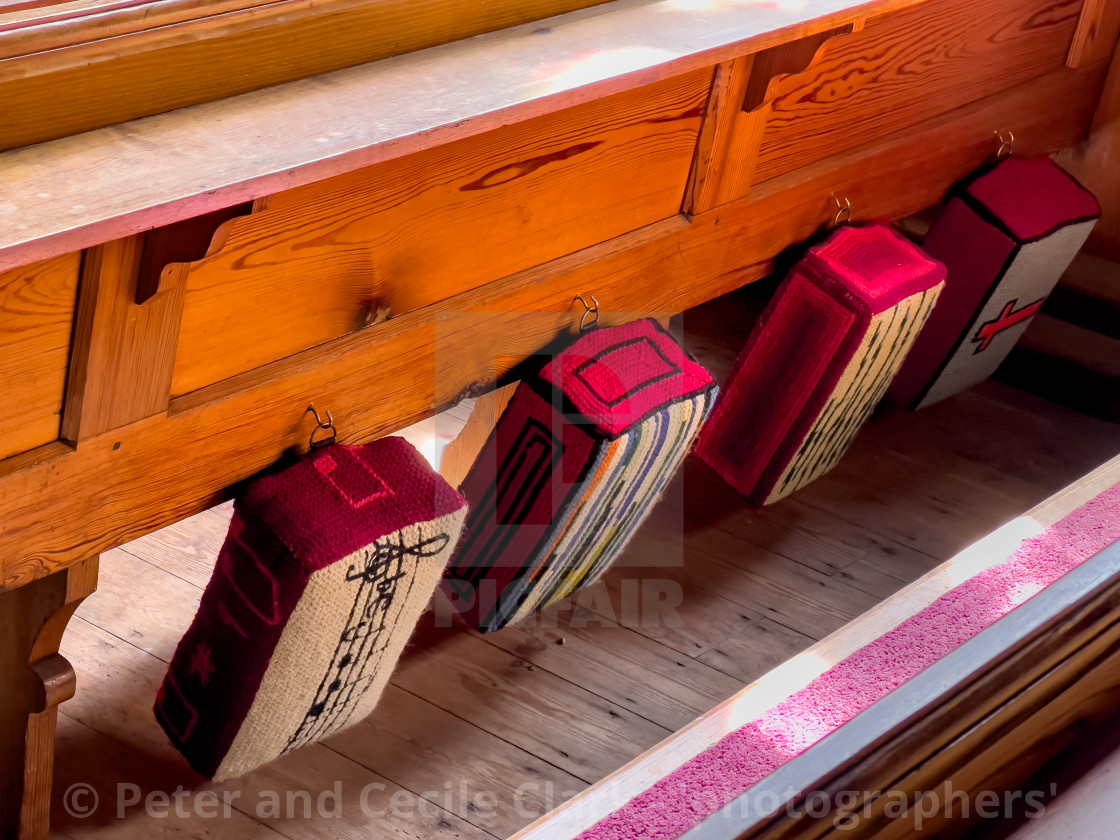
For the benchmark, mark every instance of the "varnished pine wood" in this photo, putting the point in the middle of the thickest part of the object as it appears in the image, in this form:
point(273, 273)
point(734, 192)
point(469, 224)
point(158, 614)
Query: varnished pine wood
point(428, 359)
point(738, 111)
point(907, 67)
point(1097, 31)
point(1093, 163)
point(34, 679)
point(30, 27)
point(196, 160)
point(37, 304)
point(110, 68)
point(123, 351)
point(719, 158)
point(185, 241)
point(323, 260)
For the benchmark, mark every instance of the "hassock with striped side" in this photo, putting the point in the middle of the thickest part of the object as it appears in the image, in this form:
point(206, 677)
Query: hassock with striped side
point(819, 360)
point(323, 576)
point(576, 461)
point(1006, 237)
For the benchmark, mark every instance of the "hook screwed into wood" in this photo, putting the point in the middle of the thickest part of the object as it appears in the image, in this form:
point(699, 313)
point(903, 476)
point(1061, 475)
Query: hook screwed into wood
point(322, 426)
point(1006, 141)
point(843, 211)
point(588, 310)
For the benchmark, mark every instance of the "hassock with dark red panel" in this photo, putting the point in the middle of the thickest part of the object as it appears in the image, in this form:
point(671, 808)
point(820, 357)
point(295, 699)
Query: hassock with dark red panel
point(819, 360)
point(323, 576)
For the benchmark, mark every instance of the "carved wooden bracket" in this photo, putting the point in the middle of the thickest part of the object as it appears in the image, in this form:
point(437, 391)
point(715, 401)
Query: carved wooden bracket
point(184, 241)
point(122, 352)
point(739, 105)
point(130, 305)
point(1097, 31)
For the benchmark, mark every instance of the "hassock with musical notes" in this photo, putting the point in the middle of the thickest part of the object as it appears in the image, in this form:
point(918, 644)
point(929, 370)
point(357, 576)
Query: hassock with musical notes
point(325, 571)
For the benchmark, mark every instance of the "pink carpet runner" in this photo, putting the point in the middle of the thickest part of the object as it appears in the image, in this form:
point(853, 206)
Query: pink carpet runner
point(714, 778)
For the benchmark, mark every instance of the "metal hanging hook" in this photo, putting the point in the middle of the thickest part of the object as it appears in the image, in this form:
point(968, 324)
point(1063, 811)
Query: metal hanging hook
point(322, 426)
point(587, 311)
point(1005, 144)
point(843, 211)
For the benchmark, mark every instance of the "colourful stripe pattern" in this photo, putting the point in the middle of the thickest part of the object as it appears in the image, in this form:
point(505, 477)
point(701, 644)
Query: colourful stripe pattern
point(577, 460)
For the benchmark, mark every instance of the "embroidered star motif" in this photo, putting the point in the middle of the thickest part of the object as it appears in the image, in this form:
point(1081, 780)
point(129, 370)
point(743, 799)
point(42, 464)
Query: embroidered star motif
point(201, 666)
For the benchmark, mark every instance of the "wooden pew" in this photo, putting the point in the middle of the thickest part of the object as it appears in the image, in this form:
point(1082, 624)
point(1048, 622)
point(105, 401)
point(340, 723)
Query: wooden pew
point(385, 238)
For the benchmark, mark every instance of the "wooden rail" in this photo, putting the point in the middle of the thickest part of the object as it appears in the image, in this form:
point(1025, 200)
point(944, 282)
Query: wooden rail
point(79, 191)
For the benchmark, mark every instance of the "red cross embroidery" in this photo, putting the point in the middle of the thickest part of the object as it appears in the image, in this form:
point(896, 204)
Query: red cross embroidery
point(1006, 319)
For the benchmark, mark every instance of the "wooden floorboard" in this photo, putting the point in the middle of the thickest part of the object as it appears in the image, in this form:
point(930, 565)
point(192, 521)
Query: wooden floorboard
point(479, 735)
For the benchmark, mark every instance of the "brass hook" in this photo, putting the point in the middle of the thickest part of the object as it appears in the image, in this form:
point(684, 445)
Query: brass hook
point(322, 426)
point(1005, 144)
point(588, 310)
point(843, 211)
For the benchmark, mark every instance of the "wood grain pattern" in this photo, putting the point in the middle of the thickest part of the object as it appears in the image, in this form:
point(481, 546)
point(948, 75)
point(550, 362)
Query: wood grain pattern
point(602, 799)
point(985, 717)
point(185, 241)
point(719, 158)
point(430, 358)
point(37, 304)
point(1097, 31)
point(1093, 163)
point(738, 112)
point(619, 665)
point(33, 26)
point(192, 161)
point(34, 679)
point(910, 66)
point(123, 352)
point(321, 261)
point(532, 708)
point(1036, 723)
point(412, 743)
point(106, 747)
point(62, 79)
point(482, 767)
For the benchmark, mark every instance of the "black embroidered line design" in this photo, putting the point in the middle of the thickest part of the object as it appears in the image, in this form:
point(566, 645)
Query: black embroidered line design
point(357, 659)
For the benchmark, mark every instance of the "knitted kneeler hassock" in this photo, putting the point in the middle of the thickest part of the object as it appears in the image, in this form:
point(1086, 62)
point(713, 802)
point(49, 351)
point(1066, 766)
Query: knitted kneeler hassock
point(1006, 237)
point(819, 360)
point(577, 460)
point(323, 576)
